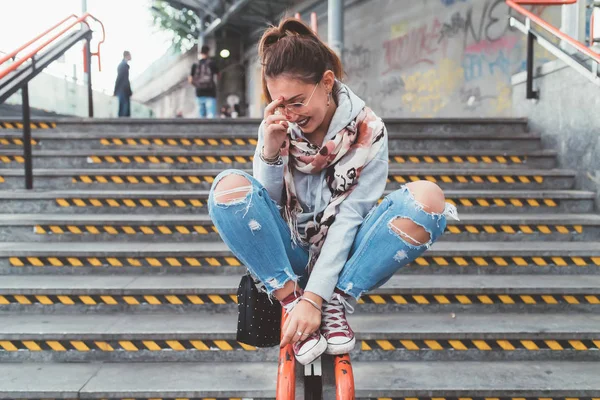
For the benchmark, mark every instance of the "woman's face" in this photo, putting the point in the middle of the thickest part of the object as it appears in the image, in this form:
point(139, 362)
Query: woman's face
point(312, 112)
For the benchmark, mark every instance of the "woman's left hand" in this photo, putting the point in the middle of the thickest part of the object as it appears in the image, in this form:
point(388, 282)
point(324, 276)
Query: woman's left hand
point(304, 319)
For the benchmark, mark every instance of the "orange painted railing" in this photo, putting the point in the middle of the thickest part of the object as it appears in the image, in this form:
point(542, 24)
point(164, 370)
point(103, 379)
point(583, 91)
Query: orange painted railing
point(517, 5)
point(33, 52)
point(17, 51)
point(344, 378)
point(286, 372)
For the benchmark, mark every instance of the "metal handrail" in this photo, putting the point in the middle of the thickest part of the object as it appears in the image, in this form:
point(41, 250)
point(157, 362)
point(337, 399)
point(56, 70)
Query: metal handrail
point(286, 371)
point(20, 80)
point(589, 71)
point(344, 378)
point(33, 52)
point(35, 39)
point(517, 5)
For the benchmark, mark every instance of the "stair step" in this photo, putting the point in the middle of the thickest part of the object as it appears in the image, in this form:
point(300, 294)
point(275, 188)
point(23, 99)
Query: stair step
point(246, 139)
point(194, 201)
point(177, 227)
point(202, 256)
point(476, 379)
point(189, 159)
point(138, 380)
point(457, 178)
point(193, 292)
point(420, 380)
point(172, 337)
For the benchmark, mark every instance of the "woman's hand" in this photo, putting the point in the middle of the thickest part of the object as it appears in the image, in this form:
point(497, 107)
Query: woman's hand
point(304, 319)
point(276, 126)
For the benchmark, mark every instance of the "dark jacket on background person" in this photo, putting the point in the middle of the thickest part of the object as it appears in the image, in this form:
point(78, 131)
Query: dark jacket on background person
point(122, 84)
point(214, 69)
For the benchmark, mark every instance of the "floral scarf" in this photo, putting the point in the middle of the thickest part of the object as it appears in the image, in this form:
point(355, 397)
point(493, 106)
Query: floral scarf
point(343, 157)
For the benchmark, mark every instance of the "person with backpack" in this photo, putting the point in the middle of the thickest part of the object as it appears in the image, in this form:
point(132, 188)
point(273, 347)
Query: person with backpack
point(202, 77)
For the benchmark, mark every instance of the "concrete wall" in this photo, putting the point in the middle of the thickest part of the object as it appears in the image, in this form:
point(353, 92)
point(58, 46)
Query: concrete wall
point(567, 117)
point(431, 58)
point(164, 87)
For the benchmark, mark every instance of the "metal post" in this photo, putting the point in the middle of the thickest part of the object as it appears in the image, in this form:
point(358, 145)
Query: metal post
point(335, 26)
point(27, 138)
point(88, 63)
point(531, 94)
point(86, 76)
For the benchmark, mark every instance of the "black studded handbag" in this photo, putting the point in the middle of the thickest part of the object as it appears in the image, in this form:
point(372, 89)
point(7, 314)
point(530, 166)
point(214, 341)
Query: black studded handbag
point(259, 319)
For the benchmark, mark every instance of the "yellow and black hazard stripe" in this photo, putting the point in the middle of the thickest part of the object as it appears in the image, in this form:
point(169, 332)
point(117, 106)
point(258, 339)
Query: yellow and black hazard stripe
point(459, 178)
point(462, 261)
point(498, 261)
point(123, 345)
point(406, 159)
point(434, 299)
point(15, 141)
point(125, 229)
point(483, 345)
point(513, 229)
point(12, 159)
point(224, 299)
point(505, 202)
point(34, 125)
point(182, 203)
point(114, 300)
point(232, 345)
point(169, 159)
point(149, 180)
point(167, 141)
point(230, 159)
point(209, 228)
point(124, 262)
point(130, 203)
point(396, 178)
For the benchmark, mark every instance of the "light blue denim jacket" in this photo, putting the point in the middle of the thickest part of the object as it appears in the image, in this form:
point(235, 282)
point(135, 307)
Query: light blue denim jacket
point(314, 195)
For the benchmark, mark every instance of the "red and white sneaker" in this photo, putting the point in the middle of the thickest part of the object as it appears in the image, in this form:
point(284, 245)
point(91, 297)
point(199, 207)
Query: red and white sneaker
point(335, 327)
point(311, 348)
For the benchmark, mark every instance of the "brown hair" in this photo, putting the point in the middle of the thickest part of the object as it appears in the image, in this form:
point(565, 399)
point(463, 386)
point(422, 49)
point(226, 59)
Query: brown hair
point(293, 49)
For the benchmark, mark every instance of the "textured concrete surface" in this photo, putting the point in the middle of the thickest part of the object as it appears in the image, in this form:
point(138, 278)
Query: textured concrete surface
point(567, 116)
point(161, 326)
point(61, 381)
point(211, 284)
point(501, 379)
point(176, 380)
point(220, 249)
point(142, 380)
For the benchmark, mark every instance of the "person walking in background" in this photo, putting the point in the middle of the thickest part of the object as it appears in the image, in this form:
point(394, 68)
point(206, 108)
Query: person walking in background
point(202, 77)
point(123, 86)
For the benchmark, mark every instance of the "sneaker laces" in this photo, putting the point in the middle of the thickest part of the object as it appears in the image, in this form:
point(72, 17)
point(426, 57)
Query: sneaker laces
point(334, 314)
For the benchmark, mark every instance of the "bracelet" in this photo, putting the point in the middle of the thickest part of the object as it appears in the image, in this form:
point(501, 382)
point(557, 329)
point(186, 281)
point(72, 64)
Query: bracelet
point(271, 161)
point(312, 303)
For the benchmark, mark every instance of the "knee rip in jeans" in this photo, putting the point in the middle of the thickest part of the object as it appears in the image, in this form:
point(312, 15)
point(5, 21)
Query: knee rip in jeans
point(233, 190)
point(405, 229)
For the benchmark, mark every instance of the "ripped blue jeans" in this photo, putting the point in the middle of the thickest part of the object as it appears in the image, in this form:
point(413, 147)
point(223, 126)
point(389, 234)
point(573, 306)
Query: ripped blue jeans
point(266, 249)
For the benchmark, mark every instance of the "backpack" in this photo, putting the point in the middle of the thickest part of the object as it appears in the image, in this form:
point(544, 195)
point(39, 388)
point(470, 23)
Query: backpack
point(203, 76)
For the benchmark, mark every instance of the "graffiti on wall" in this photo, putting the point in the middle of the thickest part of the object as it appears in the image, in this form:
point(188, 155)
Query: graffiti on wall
point(456, 63)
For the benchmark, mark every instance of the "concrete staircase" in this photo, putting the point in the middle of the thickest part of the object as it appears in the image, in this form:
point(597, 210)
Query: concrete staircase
point(115, 284)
